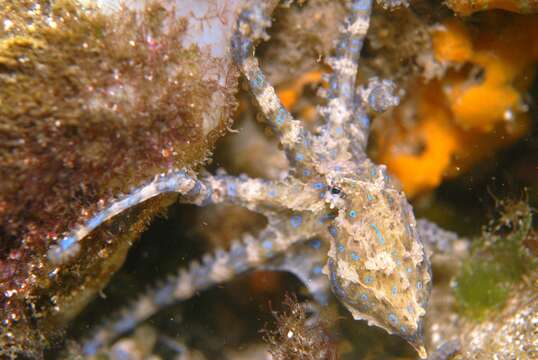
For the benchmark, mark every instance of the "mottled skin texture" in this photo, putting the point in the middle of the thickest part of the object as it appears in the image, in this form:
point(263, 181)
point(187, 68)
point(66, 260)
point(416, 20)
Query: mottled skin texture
point(333, 198)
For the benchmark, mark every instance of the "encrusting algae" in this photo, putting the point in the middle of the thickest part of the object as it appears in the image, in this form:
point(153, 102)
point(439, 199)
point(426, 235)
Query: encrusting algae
point(90, 105)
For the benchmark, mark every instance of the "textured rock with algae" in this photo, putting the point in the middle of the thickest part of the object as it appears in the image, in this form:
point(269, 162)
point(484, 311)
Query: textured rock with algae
point(90, 104)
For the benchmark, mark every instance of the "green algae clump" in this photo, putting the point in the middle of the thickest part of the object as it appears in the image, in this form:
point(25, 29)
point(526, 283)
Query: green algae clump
point(499, 259)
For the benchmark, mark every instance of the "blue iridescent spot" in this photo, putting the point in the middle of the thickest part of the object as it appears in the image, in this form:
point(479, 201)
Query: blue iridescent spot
point(380, 238)
point(299, 157)
point(280, 117)
point(296, 221)
point(403, 329)
point(346, 89)
point(394, 290)
point(318, 186)
point(332, 231)
point(341, 248)
point(419, 285)
point(195, 190)
point(338, 168)
point(96, 220)
point(272, 193)
point(360, 5)
point(368, 279)
point(306, 172)
point(257, 81)
point(355, 44)
point(370, 197)
point(355, 256)
point(232, 189)
point(364, 297)
point(409, 270)
point(339, 131)
point(373, 172)
point(353, 214)
point(317, 270)
point(67, 242)
point(334, 83)
point(365, 122)
point(316, 244)
point(267, 244)
point(392, 318)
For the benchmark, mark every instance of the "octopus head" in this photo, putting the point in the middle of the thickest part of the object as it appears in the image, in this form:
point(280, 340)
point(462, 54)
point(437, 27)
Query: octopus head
point(377, 264)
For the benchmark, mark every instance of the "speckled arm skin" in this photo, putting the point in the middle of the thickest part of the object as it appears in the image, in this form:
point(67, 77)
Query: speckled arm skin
point(246, 254)
point(374, 258)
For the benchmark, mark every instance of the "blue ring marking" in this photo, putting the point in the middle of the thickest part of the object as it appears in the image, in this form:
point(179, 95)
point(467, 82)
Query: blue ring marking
point(394, 290)
point(334, 83)
point(299, 157)
point(364, 297)
point(380, 238)
point(133, 199)
point(368, 279)
point(196, 189)
point(346, 89)
point(318, 185)
point(164, 295)
point(333, 231)
point(316, 244)
point(353, 214)
point(370, 197)
point(90, 348)
point(166, 185)
point(232, 189)
point(280, 117)
point(339, 131)
point(207, 199)
point(409, 270)
point(342, 43)
point(373, 172)
point(267, 244)
point(356, 44)
point(306, 172)
point(403, 329)
point(96, 220)
point(341, 248)
point(364, 121)
point(257, 82)
point(317, 270)
point(125, 324)
point(338, 168)
point(271, 193)
point(361, 5)
point(67, 242)
point(393, 319)
point(419, 285)
point(355, 256)
point(296, 221)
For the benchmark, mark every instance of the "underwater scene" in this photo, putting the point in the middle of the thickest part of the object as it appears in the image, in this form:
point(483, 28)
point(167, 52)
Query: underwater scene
point(269, 180)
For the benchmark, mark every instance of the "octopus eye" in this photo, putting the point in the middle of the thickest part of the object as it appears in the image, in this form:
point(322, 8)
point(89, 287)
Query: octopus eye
point(335, 190)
